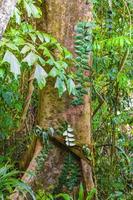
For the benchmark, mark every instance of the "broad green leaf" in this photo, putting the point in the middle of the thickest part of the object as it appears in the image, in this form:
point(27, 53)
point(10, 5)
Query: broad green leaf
point(19, 41)
point(33, 37)
point(25, 49)
point(64, 196)
point(42, 61)
point(50, 62)
point(67, 54)
point(40, 75)
point(17, 15)
point(40, 36)
point(61, 65)
point(13, 61)
point(35, 11)
point(46, 37)
point(53, 72)
point(2, 71)
point(91, 194)
point(60, 85)
point(28, 9)
point(47, 53)
point(12, 46)
point(32, 47)
point(32, 10)
point(71, 86)
point(31, 58)
point(81, 192)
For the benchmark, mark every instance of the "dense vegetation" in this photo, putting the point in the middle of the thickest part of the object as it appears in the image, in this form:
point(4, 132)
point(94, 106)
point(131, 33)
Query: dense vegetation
point(27, 54)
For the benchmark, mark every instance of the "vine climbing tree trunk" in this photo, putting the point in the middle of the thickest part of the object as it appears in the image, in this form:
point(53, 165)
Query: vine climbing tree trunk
point(60, 18)
point(6, 10)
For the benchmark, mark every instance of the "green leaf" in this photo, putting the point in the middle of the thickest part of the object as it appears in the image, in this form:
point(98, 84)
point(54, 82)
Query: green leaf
point(35, 11)
point(46, 37)
point(28, 9)
point(64, 196)
point(84, 61)
point(67, 54)
point(91, 194)
point(60, 85)
point(42, 61)
point(25, 49)
point(12, 46)
point(71, 86)
point(79, 29)
point(81, 192)
point(53, 72)
point(31, 58)
point(40, 75)
point(22, 186)
point(2, 72)
point(19, 41)
point(17, 16)
point(8, 97)
point(61, 64)
point(47, 53)
point(40, 36)
point(32, 10)
point(33, 37)
point(13, 61)
point(50, 62)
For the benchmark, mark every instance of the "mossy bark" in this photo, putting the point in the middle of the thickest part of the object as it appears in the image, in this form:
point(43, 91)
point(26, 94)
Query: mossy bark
point(60, 18)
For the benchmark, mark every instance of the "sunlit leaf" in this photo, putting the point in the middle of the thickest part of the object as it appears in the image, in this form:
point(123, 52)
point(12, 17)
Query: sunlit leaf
point(17, 15)
point(53, 72)
point(31, 58)
point(60, 85)
point(71, 86)
point(13, 61)
point(40, 75)
point(25, 49)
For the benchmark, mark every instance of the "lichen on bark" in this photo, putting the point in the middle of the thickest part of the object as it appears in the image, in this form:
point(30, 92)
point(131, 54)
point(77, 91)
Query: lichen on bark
point(6, 11)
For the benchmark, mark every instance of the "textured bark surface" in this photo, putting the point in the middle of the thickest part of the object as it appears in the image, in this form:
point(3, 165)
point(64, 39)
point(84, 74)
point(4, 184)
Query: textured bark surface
point(6, 10)
point(28, 178)
point(60, 18)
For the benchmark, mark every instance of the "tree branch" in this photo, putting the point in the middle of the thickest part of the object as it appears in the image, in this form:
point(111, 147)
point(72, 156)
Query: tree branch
point(77, 149)
point(28, 100)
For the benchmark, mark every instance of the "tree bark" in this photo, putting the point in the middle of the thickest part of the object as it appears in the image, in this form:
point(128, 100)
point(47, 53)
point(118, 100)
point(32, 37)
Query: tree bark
point(60, 20)
point(6, 10)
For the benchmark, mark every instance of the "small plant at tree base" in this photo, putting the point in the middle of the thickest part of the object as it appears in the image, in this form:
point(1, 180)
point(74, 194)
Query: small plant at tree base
point(9, 182)
point(43, 195)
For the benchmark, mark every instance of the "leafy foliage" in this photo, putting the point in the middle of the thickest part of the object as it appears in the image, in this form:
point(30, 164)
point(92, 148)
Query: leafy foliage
point(83, 48)
point(9, 181)
point(25, 50)
point(42, 195)
point(70, 175)
point(111, 94)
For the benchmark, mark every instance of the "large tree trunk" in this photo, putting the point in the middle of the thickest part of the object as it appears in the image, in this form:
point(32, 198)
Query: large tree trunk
point(60, 20)
point(6, 10)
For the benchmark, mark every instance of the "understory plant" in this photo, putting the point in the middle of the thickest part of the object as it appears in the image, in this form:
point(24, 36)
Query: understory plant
point(9, 182)
point(43, 195)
